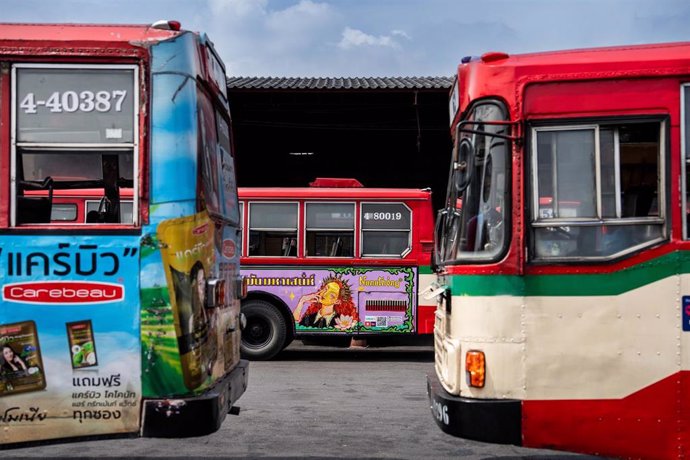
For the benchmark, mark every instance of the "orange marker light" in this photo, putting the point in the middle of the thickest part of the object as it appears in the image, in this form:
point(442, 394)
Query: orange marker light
point(475, 368)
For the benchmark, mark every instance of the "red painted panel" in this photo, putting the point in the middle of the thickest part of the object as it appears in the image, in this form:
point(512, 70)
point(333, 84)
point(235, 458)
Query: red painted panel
point(651, 423)
point(425, 319)
point(592, 98)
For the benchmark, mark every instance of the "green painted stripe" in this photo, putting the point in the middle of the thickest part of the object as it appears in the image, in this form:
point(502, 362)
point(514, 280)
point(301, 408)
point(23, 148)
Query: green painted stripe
point(575, 284)
point(425, 270)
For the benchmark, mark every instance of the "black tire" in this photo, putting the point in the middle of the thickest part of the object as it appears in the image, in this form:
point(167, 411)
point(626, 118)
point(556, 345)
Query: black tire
point(265, 333)
point(288, 341)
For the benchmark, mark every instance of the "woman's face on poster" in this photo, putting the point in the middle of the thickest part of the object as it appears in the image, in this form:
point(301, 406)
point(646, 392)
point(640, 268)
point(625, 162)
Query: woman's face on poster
point(201, 285)
point(8, 354)
point(330, 294)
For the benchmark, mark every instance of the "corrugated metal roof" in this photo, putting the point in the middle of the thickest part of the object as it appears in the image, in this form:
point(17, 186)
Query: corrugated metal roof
point(339, 83)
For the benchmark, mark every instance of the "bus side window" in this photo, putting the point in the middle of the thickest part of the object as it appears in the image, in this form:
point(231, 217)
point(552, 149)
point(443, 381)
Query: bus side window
point(330, 229)
point(569, 224)
point(273, 229)
point(386, 230)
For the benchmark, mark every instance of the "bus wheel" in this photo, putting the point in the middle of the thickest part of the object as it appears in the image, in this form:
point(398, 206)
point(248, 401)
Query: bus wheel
point(288, 341)
point(265, 333)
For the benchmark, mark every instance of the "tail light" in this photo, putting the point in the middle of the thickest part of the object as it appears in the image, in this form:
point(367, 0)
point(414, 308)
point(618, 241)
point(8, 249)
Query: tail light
point(215, 293)
point(475, 368)
point(242, 287)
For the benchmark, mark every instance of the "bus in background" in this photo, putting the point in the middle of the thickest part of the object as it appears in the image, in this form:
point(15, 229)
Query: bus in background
point(334, 258)
point(563, 287)
point(120, 309)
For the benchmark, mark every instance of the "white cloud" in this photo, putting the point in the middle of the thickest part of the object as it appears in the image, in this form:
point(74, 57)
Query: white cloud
point(238, 9)
point(401, 33)
point(259, 37)
point(353, 38)
point(305, 10)
point(303, 22)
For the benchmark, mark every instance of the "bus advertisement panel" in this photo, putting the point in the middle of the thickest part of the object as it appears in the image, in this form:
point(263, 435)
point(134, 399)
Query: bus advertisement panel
point(119, 309)
point(334, 258)
point(51, 367)
point(363, 299)
point(562, 253)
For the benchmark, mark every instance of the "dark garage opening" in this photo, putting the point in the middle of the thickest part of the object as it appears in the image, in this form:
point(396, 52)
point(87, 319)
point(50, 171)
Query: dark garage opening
point(385, 132)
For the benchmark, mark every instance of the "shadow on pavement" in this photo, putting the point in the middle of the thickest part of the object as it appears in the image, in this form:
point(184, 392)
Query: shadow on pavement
point(415, 349)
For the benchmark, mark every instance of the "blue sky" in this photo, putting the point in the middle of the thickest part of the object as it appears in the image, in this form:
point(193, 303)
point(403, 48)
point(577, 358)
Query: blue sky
point(350, 38)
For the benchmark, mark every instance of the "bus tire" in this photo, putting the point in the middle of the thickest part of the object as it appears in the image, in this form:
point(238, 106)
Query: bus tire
point(288, 341)
point(265, 332)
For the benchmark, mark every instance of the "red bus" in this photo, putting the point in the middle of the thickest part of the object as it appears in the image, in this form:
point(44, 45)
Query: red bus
point(333, 258)
point(564, 314)
point(119, 310)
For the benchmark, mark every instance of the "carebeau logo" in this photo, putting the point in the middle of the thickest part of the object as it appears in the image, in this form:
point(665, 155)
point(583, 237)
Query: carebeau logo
point(63, 292)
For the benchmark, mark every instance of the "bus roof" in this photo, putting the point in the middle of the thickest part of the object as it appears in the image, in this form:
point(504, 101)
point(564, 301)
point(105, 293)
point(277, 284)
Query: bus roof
point(631, 54)
point(355, 193)
point(37, 35)
point(498, 74)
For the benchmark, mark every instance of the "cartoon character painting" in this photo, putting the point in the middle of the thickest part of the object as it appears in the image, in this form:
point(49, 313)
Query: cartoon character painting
point(329, 307)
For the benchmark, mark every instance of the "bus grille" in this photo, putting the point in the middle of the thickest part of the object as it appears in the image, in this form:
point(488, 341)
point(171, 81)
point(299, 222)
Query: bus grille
point(386, 305)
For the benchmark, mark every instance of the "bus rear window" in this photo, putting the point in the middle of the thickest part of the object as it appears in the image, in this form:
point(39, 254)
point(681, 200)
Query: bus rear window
point(75, 128)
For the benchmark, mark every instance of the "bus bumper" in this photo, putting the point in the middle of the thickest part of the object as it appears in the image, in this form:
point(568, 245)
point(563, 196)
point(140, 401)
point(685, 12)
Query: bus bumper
point(196, 415)
point(487, 420)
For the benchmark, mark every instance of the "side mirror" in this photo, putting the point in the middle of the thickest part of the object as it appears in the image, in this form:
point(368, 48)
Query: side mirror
point(463, 169)
point(437, 257)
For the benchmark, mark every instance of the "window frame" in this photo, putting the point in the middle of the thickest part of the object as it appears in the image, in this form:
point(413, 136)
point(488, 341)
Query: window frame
point(409, 231)
point(684, 153)
point(307, 229)
point(103, 148)
point(535, 221)
point(241, 229)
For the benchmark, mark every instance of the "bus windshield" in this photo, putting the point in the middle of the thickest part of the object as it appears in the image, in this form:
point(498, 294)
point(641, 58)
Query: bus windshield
point(473, 223)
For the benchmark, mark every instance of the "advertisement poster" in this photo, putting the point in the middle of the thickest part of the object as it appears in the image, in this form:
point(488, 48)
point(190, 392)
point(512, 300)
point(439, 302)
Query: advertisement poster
point(342, 300)
point(59, 300)
point(186, 344)
point(22, 367)
point(82, 344)
point(188, 257)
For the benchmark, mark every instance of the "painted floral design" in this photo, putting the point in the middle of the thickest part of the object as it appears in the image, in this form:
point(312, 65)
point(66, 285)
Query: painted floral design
point(344, 322)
